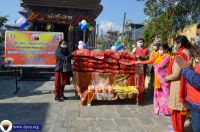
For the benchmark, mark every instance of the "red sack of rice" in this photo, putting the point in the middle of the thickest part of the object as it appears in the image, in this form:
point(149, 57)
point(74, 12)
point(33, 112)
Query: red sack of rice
point(111, 66)
point(98, 54)
point(95, 65)
point(81, 63)
point(91, 69)
point(106, 70)
point(83, 69)
point(127, 62)
point(110, 60)
point(127, 71)
point(91, 60)
point(76, 58)
point(131, 56)
point(115, 71)
point(99, 70)
point(112, 54)
point(82, 52)
point(127, 67)
point(124, 54)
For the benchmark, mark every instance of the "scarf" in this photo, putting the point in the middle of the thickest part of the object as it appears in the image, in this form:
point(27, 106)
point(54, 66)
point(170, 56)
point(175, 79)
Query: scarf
point(160, 58)
point(182, 92)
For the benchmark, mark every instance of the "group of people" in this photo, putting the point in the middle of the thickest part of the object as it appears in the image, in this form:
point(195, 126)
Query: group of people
point(176, 78)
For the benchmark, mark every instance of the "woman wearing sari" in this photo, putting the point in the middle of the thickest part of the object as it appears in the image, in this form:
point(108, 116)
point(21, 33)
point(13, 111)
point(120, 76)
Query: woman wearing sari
point(160, 60)
point(161, 91)
point(177, 106)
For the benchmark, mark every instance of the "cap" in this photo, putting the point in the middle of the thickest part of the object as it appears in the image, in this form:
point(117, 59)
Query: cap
point(157, 41)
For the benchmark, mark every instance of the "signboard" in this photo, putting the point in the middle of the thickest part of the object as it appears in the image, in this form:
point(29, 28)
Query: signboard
point(31, 49)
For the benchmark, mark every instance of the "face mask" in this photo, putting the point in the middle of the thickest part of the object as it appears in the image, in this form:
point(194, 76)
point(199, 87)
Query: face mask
point(160, 52)
point(64, 46)
point(140, 44)
point(154, 47)
point(174, 47)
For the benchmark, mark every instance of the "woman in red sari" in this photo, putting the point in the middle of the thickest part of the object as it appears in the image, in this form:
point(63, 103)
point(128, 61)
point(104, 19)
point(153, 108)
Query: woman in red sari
point(177, 105)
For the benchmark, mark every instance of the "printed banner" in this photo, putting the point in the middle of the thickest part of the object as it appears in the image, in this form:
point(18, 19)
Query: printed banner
point(31, 49)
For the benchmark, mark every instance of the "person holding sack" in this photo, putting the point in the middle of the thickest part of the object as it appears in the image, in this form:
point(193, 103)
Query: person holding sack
point(62, 70)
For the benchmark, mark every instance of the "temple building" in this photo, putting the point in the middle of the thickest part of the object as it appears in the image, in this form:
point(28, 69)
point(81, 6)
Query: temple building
point(63, 16)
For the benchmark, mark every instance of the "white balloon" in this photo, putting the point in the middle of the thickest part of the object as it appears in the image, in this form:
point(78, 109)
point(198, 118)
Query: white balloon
point(80, 47)
point(84, 22)
point(81, 43)
point(113, 48)
point(20, 21)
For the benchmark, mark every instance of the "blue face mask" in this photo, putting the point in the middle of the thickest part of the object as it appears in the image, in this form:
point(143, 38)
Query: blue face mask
point(174, 47)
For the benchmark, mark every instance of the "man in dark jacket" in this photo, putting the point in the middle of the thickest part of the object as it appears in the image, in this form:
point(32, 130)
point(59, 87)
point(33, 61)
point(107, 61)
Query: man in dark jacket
point(63, 67)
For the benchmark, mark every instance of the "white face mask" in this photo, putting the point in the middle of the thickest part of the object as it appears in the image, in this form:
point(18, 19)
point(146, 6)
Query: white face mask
point(160, 52)
point(154, 47)
point(64, 46)
point(140, 44)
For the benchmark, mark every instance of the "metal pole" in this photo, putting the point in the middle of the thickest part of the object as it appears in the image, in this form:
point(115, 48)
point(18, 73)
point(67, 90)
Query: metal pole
point(134, 32)
point(123, 26)
point(97, 34)
point(16, 82)
point(84, 35)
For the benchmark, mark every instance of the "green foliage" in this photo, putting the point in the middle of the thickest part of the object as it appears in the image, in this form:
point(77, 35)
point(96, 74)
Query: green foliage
point(169, 16)
point(160, 27)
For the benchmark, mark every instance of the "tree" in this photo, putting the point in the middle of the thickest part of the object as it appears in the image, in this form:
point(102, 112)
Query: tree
point(3, 20)
point(169, 16)
point(160, 27)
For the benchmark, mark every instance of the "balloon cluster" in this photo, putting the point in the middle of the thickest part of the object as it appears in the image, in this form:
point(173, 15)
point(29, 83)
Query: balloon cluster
point(117, 46)
point(22, 23)
point(82, 45)
point(84, 25)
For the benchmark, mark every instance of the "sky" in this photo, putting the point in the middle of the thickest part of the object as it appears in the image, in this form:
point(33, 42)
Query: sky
point(110, 18)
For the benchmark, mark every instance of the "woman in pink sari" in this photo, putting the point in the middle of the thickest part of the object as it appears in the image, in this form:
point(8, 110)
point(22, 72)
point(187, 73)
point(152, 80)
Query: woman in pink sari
point(161, 92)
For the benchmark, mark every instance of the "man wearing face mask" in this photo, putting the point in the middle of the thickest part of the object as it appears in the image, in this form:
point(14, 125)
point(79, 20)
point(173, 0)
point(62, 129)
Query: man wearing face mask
point(141, 52)
point(62, 70)
point(150, 60)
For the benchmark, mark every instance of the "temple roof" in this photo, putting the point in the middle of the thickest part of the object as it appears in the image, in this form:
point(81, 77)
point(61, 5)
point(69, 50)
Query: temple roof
point(91, 8)
point(74, 4)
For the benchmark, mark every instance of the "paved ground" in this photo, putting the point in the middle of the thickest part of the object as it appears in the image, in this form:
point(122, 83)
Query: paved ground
point(34, 104)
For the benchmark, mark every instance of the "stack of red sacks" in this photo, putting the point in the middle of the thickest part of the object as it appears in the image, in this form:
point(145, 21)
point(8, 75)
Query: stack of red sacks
point(96, 61)
point(81, 58)
point(88, 61)
point(127, 62)
point(111, 60)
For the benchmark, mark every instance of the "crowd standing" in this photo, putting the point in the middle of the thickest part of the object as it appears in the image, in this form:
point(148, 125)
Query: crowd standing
point(175, 76)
